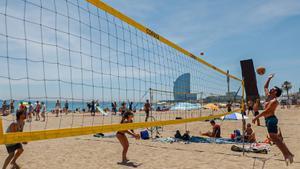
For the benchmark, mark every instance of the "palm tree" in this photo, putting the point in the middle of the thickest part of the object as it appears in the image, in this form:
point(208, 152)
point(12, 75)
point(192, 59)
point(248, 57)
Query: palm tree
point(287, 86)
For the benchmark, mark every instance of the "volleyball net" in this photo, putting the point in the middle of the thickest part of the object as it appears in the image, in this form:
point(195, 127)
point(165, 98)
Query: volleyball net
point(76, 65)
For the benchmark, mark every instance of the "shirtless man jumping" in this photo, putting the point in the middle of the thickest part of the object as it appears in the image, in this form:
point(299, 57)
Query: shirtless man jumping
point(272, 121)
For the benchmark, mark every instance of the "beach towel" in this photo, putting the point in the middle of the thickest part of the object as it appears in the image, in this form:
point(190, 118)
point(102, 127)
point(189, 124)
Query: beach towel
point(199, 140)
point(196, 139)
point(261, 148)
point(166, 140)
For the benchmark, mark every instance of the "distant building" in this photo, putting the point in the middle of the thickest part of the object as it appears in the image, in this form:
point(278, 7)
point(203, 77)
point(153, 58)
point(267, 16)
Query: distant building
point(231, 96)
point(182, 88)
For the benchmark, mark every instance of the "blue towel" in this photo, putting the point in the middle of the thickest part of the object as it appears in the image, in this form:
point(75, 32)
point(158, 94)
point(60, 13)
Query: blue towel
point(195, 139)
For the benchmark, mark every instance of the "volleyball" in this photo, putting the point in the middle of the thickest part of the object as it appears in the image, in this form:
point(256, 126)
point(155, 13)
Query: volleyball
point(261, 70)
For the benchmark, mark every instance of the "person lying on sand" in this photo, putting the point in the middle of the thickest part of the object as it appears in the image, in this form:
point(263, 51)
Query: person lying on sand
point(249, 134)
point(126, 118)
point(16, 149)
point(216, 133)
point(272, 121)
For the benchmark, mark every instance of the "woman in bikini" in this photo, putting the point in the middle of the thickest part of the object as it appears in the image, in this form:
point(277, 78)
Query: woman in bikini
point(126, 118)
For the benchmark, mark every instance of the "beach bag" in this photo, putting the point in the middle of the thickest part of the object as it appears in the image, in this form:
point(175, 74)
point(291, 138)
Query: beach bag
point(263, 150)
point(144, 135)
point(237, 134)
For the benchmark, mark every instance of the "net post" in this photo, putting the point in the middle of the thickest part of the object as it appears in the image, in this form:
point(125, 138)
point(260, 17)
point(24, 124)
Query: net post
point(150, 101)
point(1, 131)
point(243, 119)
point(201, 103)
point(228, 83)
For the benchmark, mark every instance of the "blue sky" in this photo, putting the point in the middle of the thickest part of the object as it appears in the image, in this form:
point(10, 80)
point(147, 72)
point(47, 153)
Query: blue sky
point(228, 31)
point(116, 62)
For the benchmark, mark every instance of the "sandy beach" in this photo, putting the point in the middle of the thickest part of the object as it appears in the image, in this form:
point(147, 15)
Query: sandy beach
point(89, 152)
point(139, 63)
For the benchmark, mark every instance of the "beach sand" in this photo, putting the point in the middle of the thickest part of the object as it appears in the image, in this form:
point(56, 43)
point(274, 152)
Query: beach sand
point(88, 152)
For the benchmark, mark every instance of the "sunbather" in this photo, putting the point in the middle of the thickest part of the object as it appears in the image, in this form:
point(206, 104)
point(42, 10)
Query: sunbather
point(216, 133)
point(249, 134)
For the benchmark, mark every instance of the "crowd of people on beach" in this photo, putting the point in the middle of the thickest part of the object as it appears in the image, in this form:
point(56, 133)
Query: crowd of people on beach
point(127, 113)
point(38, 108)
point(7, 109)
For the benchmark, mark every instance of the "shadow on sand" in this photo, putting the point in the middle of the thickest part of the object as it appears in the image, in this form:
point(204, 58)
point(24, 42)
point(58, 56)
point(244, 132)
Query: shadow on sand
point(129, 164)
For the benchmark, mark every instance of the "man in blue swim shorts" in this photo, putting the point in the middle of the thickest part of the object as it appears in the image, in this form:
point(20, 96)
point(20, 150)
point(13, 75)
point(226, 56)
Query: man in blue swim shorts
point(272, 121)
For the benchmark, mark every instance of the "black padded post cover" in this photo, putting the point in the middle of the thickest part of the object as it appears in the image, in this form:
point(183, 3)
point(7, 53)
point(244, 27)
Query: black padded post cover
point(249, 77)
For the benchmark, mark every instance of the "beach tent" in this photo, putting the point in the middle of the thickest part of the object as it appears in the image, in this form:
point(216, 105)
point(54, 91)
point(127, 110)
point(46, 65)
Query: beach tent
point(233, 116)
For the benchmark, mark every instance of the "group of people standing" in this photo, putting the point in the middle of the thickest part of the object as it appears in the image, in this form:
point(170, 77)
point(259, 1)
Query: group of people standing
point(57, 110)
point(124, 108)
point(7, 109)
point(92, 107)
point(38, 110)
point(114, 107)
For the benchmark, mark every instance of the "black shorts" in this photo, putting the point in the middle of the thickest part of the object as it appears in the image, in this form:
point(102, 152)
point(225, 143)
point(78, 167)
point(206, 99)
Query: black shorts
point(256, 113)
point(147, 113)
point(13, 148)
point(250, 108)
point(271, 123)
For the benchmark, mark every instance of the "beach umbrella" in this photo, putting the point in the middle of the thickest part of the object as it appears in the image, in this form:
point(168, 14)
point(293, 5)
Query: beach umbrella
point(233, 116)
point(24, 103)
point(222, 105)
point(211, 106)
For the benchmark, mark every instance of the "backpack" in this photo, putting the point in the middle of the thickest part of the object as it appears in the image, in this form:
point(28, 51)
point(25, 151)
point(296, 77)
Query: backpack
point(237, 134)
point(144, 135)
